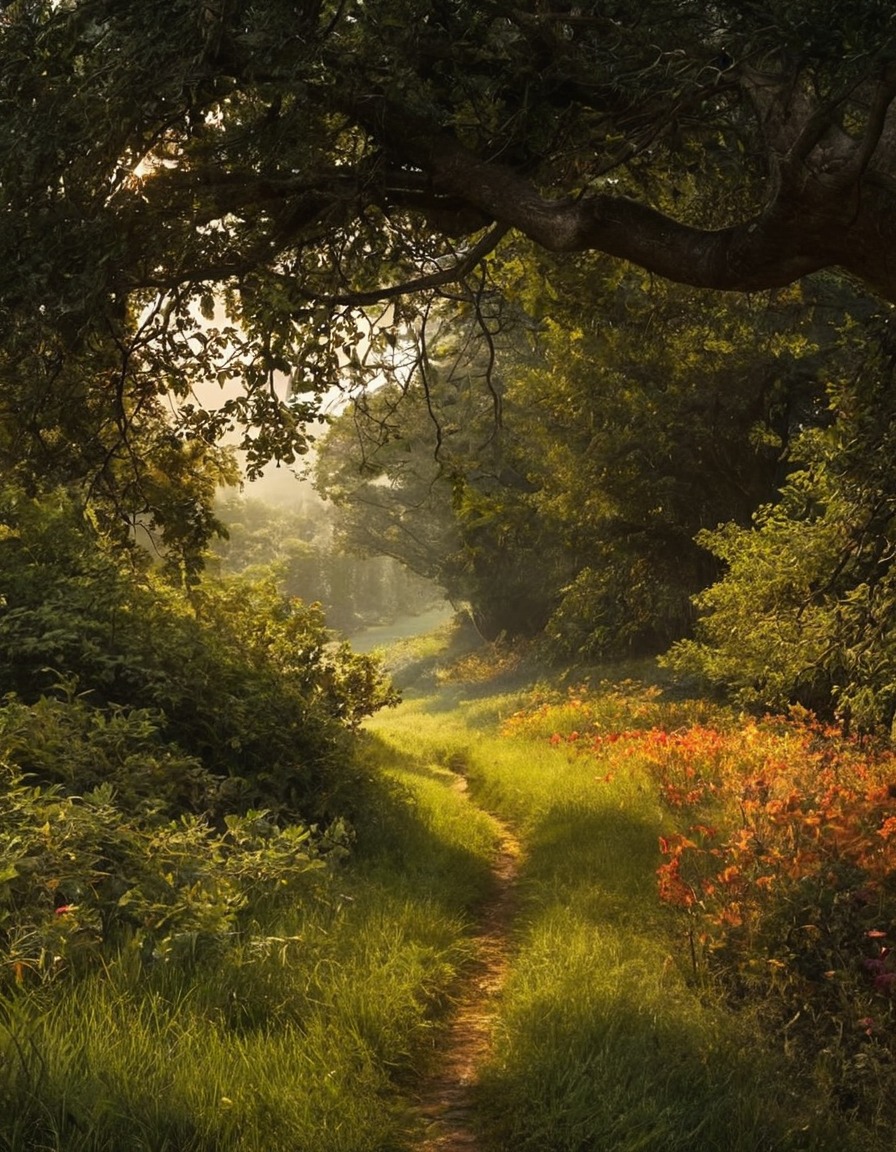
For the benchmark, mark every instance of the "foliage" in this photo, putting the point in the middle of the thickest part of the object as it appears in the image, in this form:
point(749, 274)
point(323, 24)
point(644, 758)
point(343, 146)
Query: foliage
point(616, 430)
point(246, 679)
point(459, 514)
point(158, 744)
point(776, 854)
point(308, 1024)
point(212, 218)
point(78, 420)
point(658, 417)
point(601, 710)
point(161, 746)
point(240, 201)
point(604, 1037)
point(784, 865)
point(100, 847)
point(805, 610)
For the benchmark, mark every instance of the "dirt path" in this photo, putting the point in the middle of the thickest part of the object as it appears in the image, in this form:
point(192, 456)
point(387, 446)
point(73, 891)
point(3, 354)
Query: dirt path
point(445, 1098)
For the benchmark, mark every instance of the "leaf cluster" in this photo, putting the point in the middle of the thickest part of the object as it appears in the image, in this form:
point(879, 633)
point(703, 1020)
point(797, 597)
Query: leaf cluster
point(102, 846)
point(804, 611)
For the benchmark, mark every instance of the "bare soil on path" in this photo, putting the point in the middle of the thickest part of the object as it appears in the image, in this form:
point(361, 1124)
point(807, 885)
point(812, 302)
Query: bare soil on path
point(445, 1098)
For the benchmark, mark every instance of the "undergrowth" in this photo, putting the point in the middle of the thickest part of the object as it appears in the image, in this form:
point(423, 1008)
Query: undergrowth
point(299, 1029)
point(703, 949)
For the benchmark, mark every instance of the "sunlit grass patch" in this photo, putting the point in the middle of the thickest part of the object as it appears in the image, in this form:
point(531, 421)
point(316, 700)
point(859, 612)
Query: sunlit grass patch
point(608, 707)
point(398, 651)
point(601, 1046)
point(289, 1046)
point(487, 663)
point(607, 1036)
point(124, 1069)
point(302, 1031)
point(419, 660)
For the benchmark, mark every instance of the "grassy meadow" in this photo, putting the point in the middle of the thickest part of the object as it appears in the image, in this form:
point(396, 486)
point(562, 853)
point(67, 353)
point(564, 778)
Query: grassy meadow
point(656, 1000)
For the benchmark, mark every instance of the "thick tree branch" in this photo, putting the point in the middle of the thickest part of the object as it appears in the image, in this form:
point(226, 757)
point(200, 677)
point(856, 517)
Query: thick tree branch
point(746, 257)
point(815, 219)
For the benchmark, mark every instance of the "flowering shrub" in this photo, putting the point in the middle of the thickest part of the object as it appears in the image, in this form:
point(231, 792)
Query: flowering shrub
point(785, 869)
point(780, 856)
point(607, 710)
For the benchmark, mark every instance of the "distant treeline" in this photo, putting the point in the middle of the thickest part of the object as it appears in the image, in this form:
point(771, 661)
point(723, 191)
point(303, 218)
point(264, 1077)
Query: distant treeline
point(296, 542)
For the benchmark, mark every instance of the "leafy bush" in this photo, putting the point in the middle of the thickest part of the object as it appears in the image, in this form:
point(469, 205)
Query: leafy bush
point(108, 865)
point(784, 864)
point(162, 750)
point(806, 611)
point(239, 676)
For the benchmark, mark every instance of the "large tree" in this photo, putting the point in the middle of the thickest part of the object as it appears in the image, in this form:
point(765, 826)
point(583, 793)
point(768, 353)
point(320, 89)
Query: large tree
point(638, 414)
point(283, 163)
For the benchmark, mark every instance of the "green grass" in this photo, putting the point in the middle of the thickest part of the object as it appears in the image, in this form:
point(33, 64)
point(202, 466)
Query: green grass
point(289, 1046)
point(303, 1033)
point(311, 1029)
point(605, 1038)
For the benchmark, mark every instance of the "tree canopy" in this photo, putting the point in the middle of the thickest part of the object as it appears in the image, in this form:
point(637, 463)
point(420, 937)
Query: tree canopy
point(635, 415)
point(278, 197)
point(275, 167)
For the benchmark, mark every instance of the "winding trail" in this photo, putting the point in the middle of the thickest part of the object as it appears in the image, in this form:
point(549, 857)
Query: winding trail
point(445, 1098)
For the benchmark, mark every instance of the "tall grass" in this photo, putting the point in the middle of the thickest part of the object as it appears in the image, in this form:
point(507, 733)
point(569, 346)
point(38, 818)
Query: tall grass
point(306, 1062)
point(303, 1030)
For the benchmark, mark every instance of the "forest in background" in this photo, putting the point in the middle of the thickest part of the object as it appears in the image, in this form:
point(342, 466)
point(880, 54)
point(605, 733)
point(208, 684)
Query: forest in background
point(648, 471)
point(295, 542)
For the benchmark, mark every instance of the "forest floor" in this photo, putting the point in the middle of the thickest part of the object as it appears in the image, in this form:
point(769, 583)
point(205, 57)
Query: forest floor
point(446, 1096)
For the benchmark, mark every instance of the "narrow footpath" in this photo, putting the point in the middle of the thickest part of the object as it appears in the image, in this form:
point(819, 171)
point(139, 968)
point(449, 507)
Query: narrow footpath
point(445, 1098)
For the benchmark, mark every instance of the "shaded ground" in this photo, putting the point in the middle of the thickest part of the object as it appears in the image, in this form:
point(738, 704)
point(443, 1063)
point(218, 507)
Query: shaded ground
point(445, 1101)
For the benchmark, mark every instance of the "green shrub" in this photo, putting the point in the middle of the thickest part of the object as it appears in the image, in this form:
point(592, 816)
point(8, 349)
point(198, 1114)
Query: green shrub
point(110, 866)
point(235, 674)
point(163, 751)
point(806, 611)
